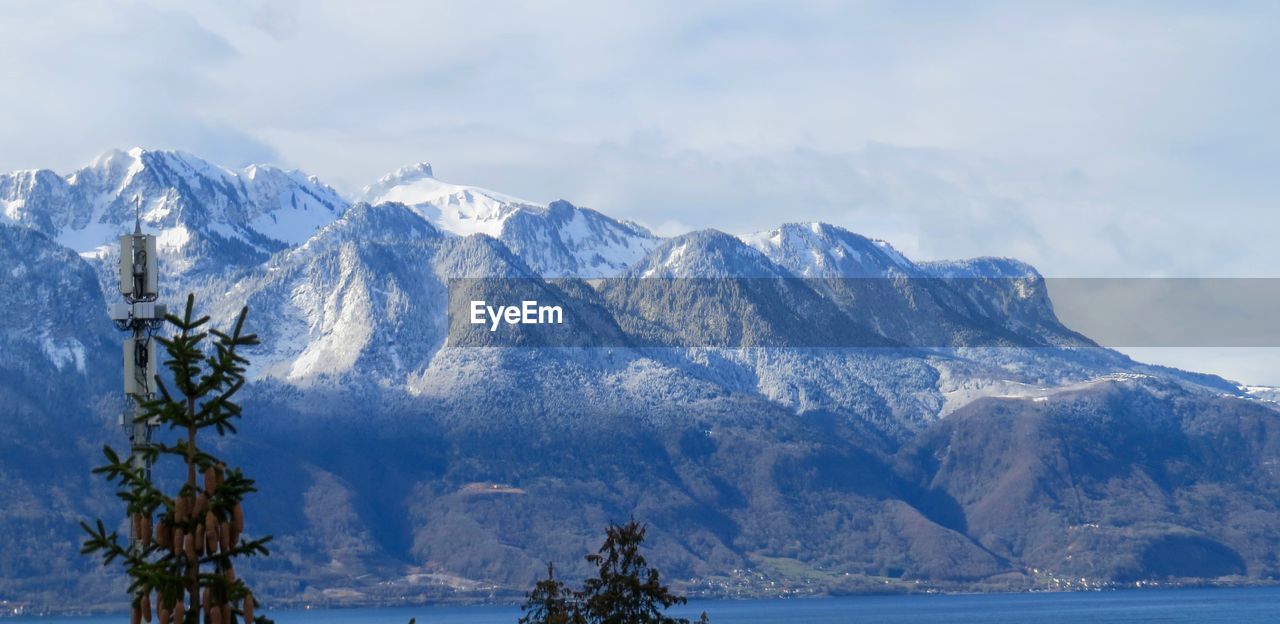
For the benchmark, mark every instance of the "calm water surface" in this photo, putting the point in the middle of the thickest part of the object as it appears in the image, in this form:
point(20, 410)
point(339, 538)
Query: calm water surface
point(1174, 606)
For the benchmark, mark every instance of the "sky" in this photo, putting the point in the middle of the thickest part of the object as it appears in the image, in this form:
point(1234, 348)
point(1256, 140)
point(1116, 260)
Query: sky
point(1090, 139)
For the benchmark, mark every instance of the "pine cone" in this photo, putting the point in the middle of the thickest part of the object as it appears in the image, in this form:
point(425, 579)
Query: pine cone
point(211, 539)
point(211, 532)
point(163, 534)
point(145, 531)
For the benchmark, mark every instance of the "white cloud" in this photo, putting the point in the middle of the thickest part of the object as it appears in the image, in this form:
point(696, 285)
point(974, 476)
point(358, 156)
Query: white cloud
point(1090, 139)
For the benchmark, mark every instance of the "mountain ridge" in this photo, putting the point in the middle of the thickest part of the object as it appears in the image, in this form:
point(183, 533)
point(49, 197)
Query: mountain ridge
point(761, 469)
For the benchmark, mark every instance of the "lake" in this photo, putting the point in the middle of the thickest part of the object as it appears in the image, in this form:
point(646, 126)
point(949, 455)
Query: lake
point(1171, 606)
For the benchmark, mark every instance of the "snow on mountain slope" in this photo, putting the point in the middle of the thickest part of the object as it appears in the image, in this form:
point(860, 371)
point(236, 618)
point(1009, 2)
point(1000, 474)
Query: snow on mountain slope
point(363, 296)
point(34, 198)
point(52, 322)
point(462, 210)
point(353, 319)
point(891, 390)
point(983, 301)
point(556, 240)
point(706, 254)
point(364, 300)
point(1004, 292)
point(290, 206)
point(320, 306)
point(206, 217)
point(567, 241)
point(873, 288)
point(897, 391)
point(822, 250)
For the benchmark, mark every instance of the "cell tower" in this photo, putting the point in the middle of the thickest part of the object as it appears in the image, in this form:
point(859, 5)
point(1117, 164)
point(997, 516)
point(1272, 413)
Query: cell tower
point(141, 315)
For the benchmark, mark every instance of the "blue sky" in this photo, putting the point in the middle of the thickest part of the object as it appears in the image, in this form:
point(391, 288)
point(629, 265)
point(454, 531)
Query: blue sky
point(1109, 138)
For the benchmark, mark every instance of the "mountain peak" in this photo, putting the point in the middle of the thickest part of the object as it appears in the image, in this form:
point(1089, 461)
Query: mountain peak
point(415, 171)
point(206, 216)
point(456, 208)
point(115, 155)
point(706, 254)
point(115, 169)
point(824, 250)
point(405, 175)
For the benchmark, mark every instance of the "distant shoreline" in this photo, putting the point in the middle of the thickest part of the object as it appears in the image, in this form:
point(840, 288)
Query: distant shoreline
point(514, 599)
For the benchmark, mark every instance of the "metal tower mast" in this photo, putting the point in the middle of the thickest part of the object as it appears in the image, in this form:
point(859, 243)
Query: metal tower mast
point(141, 315)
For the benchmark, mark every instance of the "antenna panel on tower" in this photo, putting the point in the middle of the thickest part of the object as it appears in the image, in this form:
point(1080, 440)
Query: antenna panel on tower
point(139, 275)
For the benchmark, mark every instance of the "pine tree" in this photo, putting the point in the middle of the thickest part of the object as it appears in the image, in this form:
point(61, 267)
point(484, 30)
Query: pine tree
point(187, 561)
point(626, 590)
point(551, 602)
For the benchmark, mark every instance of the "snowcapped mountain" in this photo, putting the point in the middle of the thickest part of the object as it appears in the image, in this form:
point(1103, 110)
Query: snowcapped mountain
point(38, 199)
point(741, 298)
point(42, 277)
point(462, 210)
point(363, 300)
point(324, 297)
point(206, 218)
point(568, 241)
point(360, 293)
point(556, 240)
point(706, 254)
point(725, 408)
point(982, 301)
point(822, 250)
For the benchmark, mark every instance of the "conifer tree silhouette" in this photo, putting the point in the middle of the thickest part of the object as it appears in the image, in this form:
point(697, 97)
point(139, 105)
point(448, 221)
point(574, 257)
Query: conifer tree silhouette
point(185, 567)
point(625, 589)
point(552, 602)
